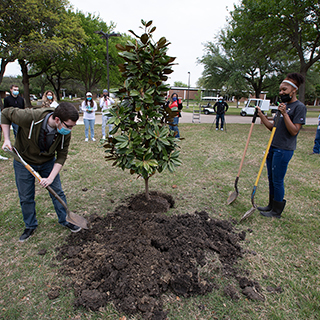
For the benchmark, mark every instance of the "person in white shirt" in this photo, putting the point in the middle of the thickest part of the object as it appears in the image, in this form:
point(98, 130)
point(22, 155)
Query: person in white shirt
point(105, 104)
point(89, 108)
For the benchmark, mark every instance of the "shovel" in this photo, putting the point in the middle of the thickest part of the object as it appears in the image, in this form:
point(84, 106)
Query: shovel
point(71, 216)
point(233, 196)
point(254, 206)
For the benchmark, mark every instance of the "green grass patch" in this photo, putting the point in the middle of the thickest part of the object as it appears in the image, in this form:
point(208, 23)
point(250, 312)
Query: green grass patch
point(283, 252)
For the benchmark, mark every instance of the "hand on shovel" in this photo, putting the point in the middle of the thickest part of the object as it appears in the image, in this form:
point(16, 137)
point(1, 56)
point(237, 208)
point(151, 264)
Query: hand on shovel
point(45, 182)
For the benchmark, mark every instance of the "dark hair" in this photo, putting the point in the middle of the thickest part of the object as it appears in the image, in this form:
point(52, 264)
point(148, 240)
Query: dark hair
point(89, 102)
point(297, 78)
point(66, 111)
point(174, 94)
point(13, 85)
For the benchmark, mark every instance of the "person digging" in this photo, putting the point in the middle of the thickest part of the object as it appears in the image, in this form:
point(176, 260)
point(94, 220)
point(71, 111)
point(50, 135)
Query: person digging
point(43, 140)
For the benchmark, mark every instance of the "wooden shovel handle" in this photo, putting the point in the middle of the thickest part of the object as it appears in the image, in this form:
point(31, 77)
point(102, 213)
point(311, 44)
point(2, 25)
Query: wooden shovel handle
point(37, 175)
point(248, 139)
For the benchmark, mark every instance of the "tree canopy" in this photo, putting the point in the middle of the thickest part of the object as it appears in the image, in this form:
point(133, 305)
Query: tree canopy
point(264, 38)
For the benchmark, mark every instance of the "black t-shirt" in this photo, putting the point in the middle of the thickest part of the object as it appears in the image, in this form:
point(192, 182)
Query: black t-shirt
point(297, 112)
point(11, 101)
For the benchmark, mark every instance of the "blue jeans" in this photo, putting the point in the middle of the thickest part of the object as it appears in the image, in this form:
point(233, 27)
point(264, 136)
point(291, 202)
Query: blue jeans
point(316, 147)
point(219, 116)
point(26, 188)
point(104, 122)
point(87, 124)
point(277, 164)
point(15, 128)
point(174, 127)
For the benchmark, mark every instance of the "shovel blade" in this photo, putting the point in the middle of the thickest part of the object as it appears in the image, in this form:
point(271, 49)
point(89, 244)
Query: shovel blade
point(77, 220)
point(248, 214)
point(233, 196)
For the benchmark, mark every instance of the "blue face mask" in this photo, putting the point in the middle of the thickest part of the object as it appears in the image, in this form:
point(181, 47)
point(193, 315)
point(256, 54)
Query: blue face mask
point(174, 99)
point(89, 98)
point(49, 97)
point(15, 93)
point(64, 131)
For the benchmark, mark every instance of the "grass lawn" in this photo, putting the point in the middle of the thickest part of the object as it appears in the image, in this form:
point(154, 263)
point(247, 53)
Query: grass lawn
point(280, 253)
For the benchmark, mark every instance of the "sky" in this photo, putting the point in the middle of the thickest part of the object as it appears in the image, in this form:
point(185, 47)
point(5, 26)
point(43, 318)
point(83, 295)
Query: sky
point(187, 24)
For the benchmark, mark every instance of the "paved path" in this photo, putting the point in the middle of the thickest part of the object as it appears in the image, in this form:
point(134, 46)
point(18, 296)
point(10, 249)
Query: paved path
point(187, 118)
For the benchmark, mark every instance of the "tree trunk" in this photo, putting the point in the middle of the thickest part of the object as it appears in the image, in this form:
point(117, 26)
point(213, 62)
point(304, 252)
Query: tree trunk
point(25, 81)
point(146, 183)
point(302, 89)
point(4, 63)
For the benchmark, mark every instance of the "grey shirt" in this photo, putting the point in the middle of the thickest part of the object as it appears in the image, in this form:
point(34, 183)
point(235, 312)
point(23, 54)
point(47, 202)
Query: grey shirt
point(297, 112)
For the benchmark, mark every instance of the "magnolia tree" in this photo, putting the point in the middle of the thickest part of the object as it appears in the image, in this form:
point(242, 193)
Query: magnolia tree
point(145, 143)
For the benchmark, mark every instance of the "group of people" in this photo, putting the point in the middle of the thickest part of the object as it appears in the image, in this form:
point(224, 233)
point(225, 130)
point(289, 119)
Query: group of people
point(89, 108)
point(44, 136)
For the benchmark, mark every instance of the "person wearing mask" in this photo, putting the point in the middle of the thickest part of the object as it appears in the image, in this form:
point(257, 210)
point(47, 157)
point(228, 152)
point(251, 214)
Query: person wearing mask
point(49, 99)
point(16, 101)
point(43, 141)
point(290, 117)
point(175, 105)
point(89, 108)
point(316, 147)
point(105, 104)
point(220, 108)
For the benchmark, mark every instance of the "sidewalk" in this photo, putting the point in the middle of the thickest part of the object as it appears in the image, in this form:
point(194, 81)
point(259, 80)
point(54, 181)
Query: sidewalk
point(187, 118)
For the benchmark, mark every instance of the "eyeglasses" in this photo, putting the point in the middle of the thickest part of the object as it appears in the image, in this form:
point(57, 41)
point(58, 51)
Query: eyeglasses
point(67, 126)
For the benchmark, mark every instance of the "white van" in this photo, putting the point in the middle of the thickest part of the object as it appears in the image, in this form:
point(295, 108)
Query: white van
point(251, 105)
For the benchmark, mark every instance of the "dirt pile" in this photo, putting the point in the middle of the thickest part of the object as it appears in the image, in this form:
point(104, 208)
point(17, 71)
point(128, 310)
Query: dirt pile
point(131, 257)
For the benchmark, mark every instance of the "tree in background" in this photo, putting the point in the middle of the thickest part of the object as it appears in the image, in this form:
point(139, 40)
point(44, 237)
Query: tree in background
point(37, 30)
point(180, 84)
point(264, 39)
point(293, 26)
point(146, 144)
point(89, 63)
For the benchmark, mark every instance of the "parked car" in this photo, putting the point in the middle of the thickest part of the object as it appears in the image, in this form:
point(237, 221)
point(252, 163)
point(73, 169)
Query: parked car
point(33, 97)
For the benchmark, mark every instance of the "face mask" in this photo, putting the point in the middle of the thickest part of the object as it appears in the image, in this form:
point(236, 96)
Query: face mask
point(285, 97)
point(89, 98)
point(15, 93)
point(64, 131)
point(49, 97)
point(174, 99)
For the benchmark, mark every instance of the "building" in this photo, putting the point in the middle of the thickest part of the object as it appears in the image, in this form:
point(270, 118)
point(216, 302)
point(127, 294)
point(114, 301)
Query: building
point(192, 93)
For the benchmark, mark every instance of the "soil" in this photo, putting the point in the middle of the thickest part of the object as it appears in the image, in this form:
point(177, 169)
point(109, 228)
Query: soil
point(136, 254)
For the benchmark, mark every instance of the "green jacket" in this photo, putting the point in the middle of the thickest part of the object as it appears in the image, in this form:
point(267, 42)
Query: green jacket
point(30, 122)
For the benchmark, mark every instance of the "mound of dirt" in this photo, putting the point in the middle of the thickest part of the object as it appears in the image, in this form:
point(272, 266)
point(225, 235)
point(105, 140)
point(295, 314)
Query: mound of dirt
point(131, 257)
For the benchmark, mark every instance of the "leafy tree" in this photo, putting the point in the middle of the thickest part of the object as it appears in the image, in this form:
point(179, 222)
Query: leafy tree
point(36, 30)
point(146, 144)
point(180, 84)
point(292, 25)
point(89, 63)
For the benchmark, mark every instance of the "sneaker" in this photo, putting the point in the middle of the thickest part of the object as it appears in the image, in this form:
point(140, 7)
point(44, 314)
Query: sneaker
point(27, 233)
point(73, 227)
point(217, 129)
point(86, 139)
point(103, 137)
point(221, 129)
point(3, 158)
point(93, 139)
